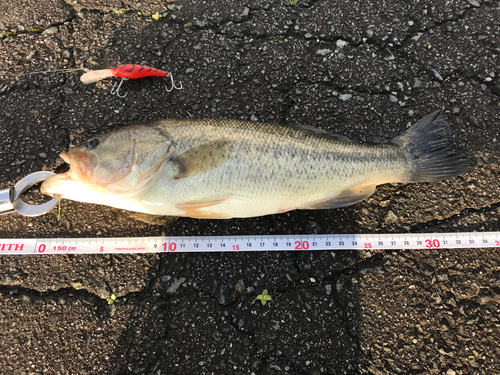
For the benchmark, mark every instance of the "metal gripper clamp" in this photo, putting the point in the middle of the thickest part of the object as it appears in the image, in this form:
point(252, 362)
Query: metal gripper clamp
point(10, 200)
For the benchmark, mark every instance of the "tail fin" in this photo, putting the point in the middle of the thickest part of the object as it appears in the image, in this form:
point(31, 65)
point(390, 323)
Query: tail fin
point(426, 147)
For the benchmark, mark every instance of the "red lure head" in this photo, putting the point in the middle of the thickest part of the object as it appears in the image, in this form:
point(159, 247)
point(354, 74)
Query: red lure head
point(135, 71)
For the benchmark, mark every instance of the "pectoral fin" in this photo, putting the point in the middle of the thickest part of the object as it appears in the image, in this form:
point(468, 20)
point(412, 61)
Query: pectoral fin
point(202, 158)
point(154, 219)
point(346, 198)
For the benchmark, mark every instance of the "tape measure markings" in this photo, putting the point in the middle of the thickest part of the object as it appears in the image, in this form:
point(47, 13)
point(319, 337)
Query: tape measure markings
point(124, 245)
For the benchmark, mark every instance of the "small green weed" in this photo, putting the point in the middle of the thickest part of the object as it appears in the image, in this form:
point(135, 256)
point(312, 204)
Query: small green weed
point(121, 11)
point(58, 207)
point(112, 299)
point(264, 297)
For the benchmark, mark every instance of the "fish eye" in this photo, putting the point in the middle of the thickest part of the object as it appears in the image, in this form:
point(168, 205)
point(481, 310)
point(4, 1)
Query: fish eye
point(92, 143)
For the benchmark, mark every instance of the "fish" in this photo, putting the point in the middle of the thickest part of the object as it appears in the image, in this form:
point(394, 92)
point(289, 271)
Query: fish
point(222, 169)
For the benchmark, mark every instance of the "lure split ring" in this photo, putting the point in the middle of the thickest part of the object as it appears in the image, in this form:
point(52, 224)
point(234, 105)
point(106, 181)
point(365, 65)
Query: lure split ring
point(125, 72)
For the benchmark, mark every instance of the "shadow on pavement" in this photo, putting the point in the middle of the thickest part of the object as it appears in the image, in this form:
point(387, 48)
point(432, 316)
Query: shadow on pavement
point(200, 315)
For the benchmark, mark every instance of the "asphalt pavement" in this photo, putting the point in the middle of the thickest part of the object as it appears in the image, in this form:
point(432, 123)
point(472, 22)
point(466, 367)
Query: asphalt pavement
point(367, 70)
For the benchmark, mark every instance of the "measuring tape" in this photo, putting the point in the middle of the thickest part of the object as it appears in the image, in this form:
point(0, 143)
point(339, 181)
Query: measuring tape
point(250, 243)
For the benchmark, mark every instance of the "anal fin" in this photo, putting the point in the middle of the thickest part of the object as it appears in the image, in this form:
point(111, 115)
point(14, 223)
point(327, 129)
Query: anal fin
point(346, 198)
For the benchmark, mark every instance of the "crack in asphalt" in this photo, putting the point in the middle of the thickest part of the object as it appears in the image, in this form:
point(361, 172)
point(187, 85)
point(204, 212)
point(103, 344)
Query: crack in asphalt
point(73, 17)
point(17, 290)
point(421, 227)
point(463, 13)
point(50, 293)
point(39, 30)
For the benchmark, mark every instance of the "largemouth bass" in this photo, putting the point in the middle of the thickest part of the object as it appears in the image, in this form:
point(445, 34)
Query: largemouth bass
point(220, 169)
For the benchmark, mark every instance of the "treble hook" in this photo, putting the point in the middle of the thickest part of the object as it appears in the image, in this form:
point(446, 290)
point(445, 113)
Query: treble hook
point(117, 91)
point(173, 83)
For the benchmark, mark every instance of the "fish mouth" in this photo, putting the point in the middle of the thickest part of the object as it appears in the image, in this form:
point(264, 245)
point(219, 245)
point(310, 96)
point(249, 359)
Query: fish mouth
point(79, 165)
point(66, 157)
point(78, 173)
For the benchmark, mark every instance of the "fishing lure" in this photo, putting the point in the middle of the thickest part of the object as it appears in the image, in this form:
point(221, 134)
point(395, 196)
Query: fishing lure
point(125, 72)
